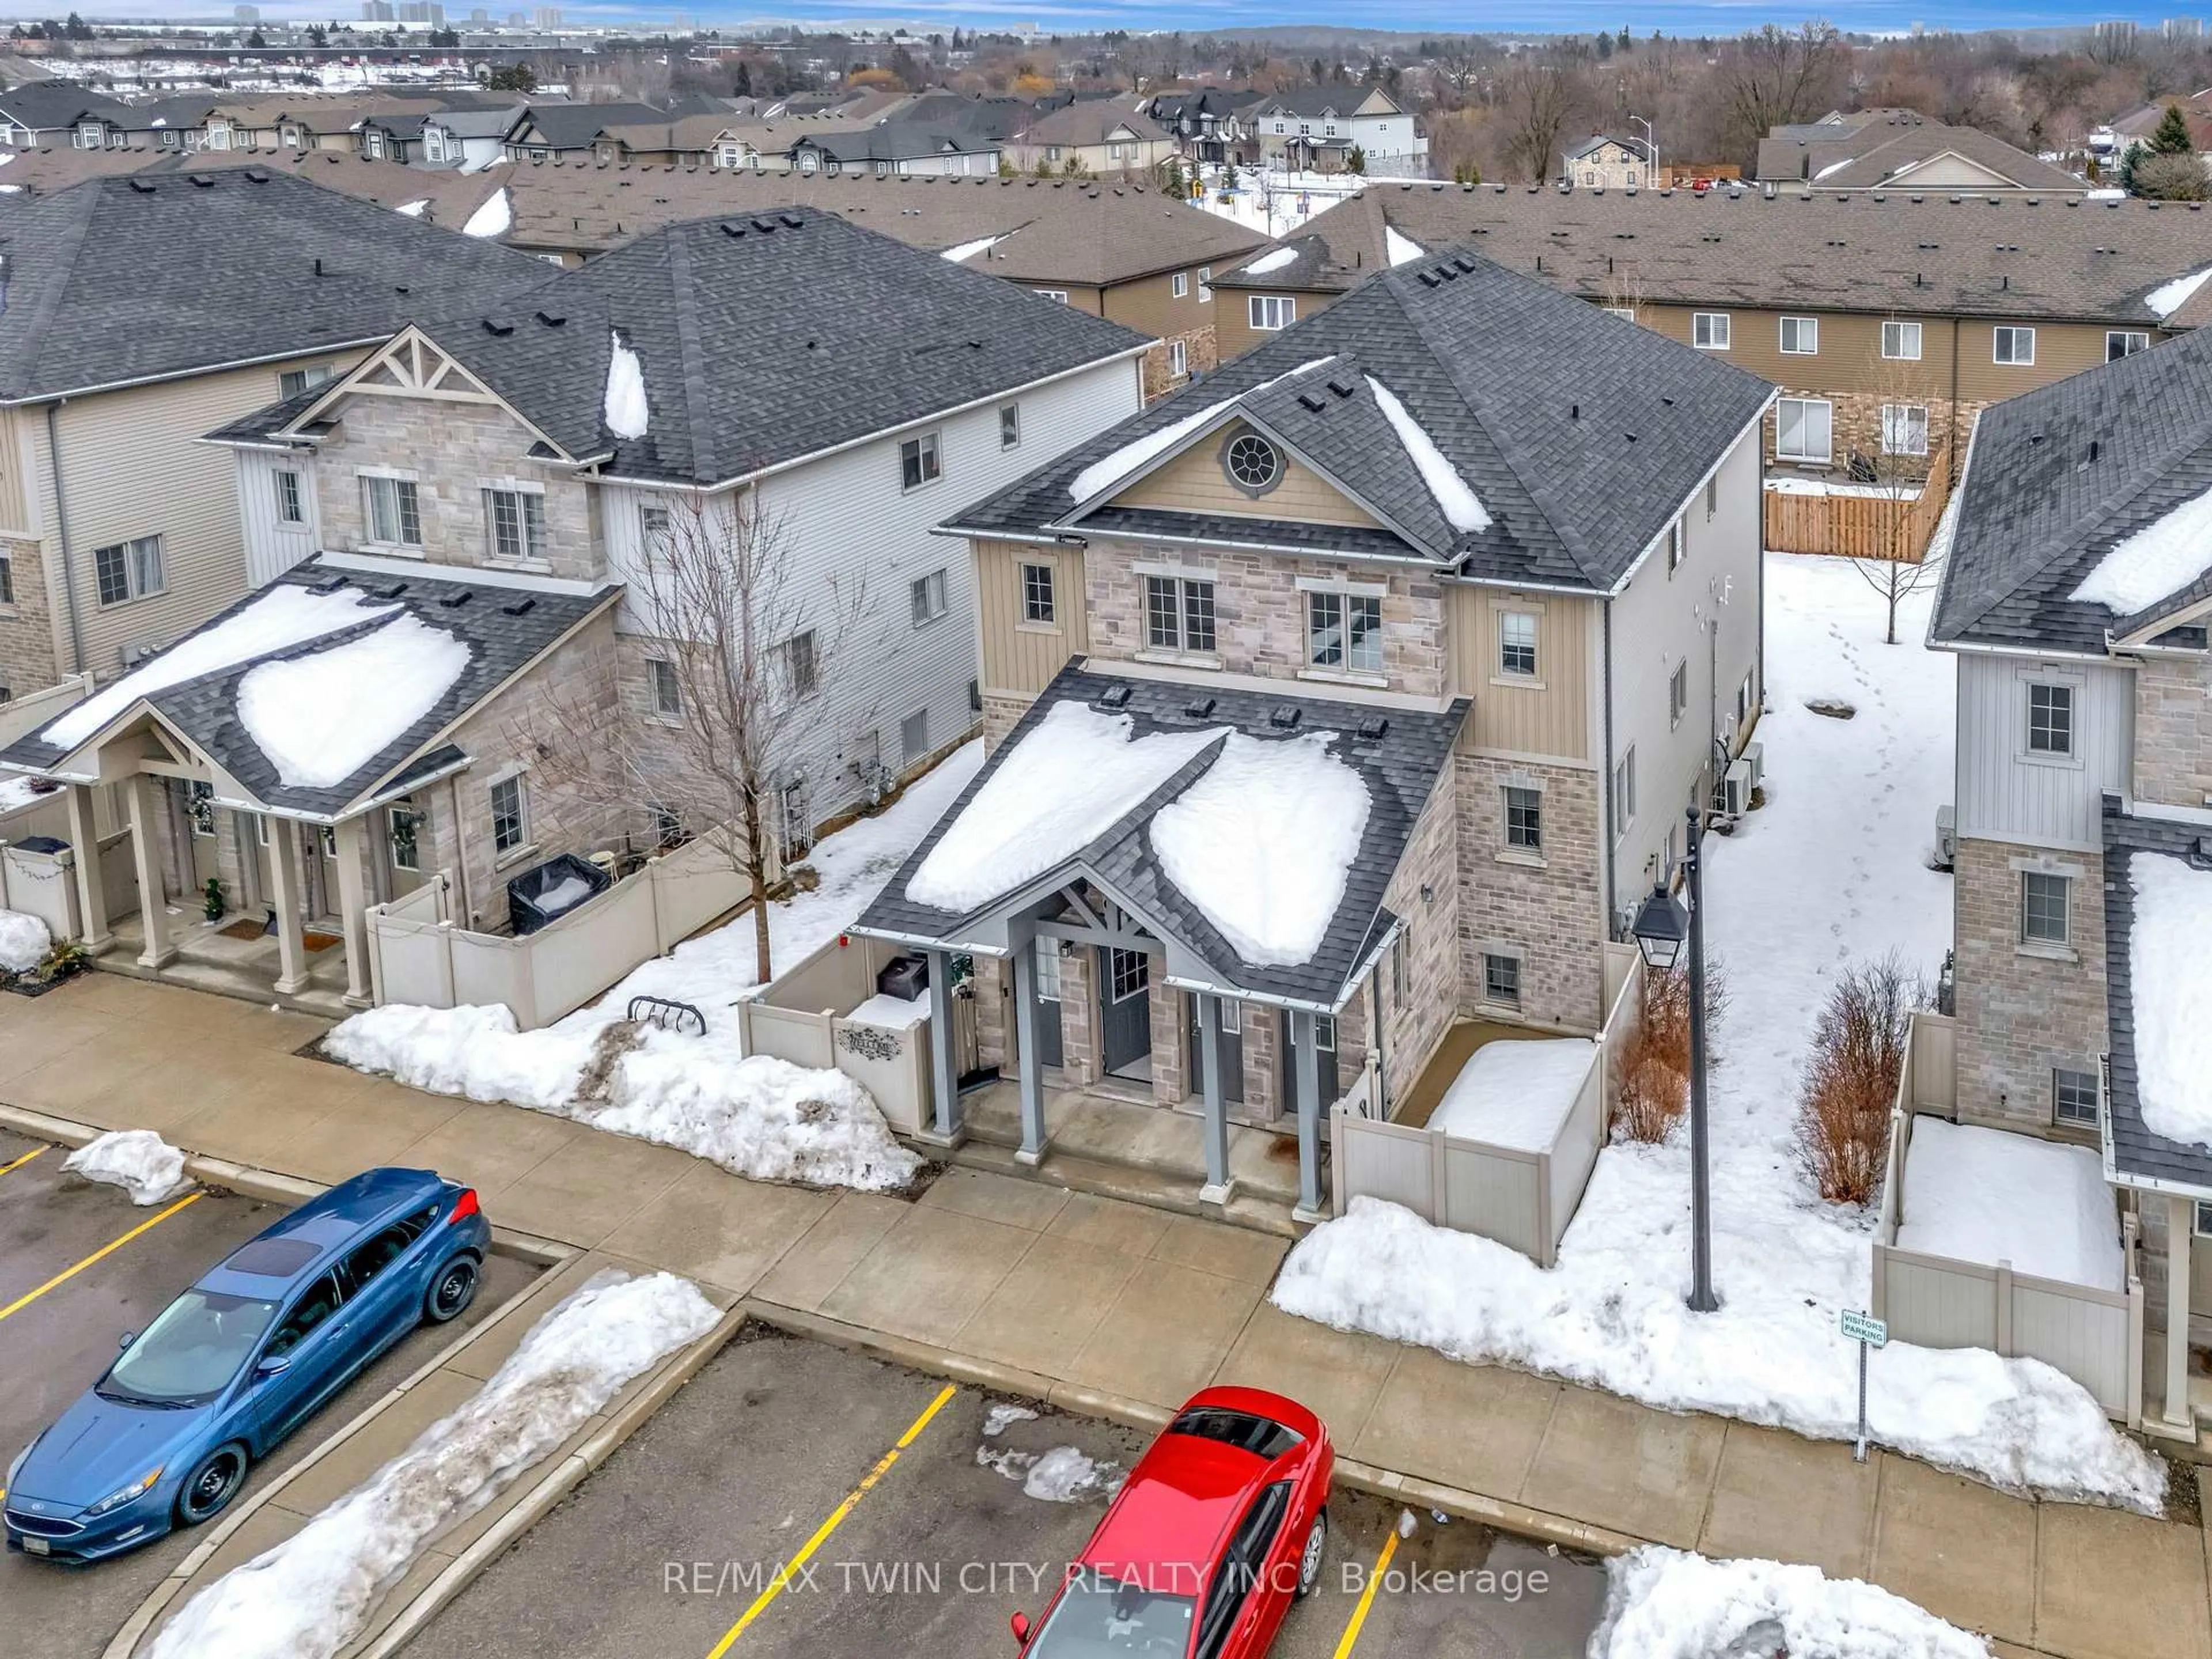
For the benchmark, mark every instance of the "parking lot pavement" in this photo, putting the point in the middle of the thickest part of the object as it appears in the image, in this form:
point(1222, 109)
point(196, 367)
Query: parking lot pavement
point(55, 1345)
point(674, 1545)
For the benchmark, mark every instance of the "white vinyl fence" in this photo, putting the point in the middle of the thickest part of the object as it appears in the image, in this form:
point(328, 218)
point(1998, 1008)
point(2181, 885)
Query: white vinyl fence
point(801, 1016)
point(1521, 1199)
point(2093, 1336)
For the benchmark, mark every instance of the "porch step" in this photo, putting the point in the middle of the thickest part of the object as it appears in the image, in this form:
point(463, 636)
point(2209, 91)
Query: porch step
point(1261, 1212)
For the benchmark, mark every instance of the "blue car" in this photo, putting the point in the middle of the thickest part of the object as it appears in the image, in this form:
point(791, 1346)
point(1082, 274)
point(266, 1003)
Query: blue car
point(241, 1359)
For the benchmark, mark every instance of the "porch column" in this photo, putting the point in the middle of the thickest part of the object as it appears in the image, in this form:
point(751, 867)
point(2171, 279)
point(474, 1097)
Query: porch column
point(353, 912)
point(1213, 1063)
point(91, 881)
point(146, 854)
point(1029, 1040)
point(2180, 1240)
point(946, 1129)
point(1306, 1061)
point(284, 877)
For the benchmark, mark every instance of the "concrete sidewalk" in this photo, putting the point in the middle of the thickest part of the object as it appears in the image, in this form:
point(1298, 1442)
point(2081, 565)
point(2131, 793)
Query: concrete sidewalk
point(1100, 1304)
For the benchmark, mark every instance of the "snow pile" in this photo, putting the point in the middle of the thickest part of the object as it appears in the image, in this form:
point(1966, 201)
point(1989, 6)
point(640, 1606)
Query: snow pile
point(1111, 468)
point(998, 1419)
point(1664, 1604)
point(1274, 259)
point(1062, 1475)
point(320, 718)
point(2162, 558)
point(900, 1013)
point(1987, 1195)
point(1515, 1094)
point(1402, 249)
point(137, 1160)
point(17, 792)
point(2173, 987)
point(1461, 508)
point(1835, 167)
point(1054, 792)
point(759, 1117)
point(24, 942)
point(413, 210)
point(626, 413)
point(310, 1596)
point(285, 615)
point(959, 253)
point(494, 216)
point(1262, 843)
point(2169, 297)
point(1845, 835)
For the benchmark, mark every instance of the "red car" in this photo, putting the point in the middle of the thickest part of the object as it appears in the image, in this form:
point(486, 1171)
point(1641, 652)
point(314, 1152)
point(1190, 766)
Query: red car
point(1219, 1527)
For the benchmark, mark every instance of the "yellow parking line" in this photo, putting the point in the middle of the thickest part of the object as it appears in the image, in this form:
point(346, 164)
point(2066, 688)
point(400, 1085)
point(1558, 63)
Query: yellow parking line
point(777, 1585)
point(29, 1297)
point(1367, 1595)
point(18, 1163)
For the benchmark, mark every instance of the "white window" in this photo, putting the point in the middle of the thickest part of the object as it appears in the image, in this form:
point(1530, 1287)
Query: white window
point(1010, 425)
point(1674, 546)
point(1038, 602)
point(667, 694)
point(918, 461)
point(1057, 295)
point(1627, 313)
point(514, 525)
point(1712, 496)
point(289, 508)
point(802, 664)
point(1709, 330)
point(1624, 792)
point(90, 135)
point(129, 570)
point(433, 142)
point(1178, 614)
point(2074, 1102)
point(1270, 312)
point(2125, 342)
point(1178, 360)
point(510, 820)
point(1524, 820)
point(1678, 693)
point(293, 381)
point(2044, 901)
point(1179, 284)
point(406, 837)
point(1501, 980)
point(1904, 430)
point(2050, 719)
point(1801, 429)
point(1800, 336)
point(1206, 285)
point(2015, 346)
point(1901, 342)
point(390, 509)
point(656, 533)
point(925, 596)
point(1517, 643)
point(373, 142)
point(1344, 630)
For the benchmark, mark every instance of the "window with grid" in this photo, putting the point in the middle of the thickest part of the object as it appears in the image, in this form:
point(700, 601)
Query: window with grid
point(509, 828)
point(289, 510)
point(1709, 330)
point(2073, 1098)
point(2013, 345)
point(1178, 614)
point(919, 461)
point(656, 532)
point(1501, 980)
point(391, 508)
point(1675, 546)
point(200, 804)
point(1678, 693)
point(667, 694)
point(2050, 719)
point(406, 833)
point(1127, 974)
point(516, 520)
point(1800, 336)
point(129, 570)
point(1037, 594)
point(802, 665)
point(1178, 359)
point(1398, 968)
point(925, 598)
point(1900, 342)
point(1179, 284)
point(1524, 820)
point(2043, 908)
point(7, 578)
point(1516, 642)
point(1904, 430)
point(1345, 631)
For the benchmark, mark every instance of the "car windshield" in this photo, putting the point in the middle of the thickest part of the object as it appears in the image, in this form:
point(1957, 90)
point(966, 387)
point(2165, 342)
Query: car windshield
point(1102, 1615)
point(195, 1347)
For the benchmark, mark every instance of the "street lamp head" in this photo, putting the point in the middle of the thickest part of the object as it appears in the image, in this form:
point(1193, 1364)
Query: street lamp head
point(1662, 927)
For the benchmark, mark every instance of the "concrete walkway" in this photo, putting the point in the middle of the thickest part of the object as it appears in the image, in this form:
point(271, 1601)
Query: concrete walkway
point(1092, 1302)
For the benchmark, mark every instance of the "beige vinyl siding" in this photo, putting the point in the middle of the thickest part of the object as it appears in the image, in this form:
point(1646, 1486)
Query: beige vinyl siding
point(1550, 718)
point(1194, 483)
point(1021, 657)
point(16, 512)
point(2060, 350)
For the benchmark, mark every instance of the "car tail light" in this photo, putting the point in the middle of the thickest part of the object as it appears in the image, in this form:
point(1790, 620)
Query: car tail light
point(463, 1206)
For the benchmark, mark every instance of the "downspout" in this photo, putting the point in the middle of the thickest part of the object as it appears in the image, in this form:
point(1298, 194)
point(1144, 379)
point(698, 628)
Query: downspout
point(1606, 837)
point(1951, 449)
point(61, 530)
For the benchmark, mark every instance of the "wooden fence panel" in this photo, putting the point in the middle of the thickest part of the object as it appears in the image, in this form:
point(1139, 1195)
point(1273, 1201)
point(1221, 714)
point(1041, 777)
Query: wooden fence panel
point(1860, 527)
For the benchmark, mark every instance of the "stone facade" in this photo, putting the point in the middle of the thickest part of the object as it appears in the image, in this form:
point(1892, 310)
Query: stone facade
point(1001, 713)
point(1201, 352)
point(1855, 427)
point(2173, 732)
point(1427, 894)
point(1544, 909)
point(1169, 1032)
point(2024, 1010)
point(27, 628)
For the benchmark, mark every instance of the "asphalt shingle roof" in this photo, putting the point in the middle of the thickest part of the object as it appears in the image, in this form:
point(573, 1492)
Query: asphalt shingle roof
point(573, 126)
point(1582, 434)
point(1399, 767)
point(42, 105)
point(2137, 1151)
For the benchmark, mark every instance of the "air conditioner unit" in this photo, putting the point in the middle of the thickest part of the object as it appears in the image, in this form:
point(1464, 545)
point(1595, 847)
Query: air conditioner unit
point(1735, 789)
point(1754, 757)
point(1946, 837)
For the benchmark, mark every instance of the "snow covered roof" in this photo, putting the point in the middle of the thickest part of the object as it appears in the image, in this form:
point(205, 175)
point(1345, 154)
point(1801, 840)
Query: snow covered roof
point(2158, 901)
point(1172, 800)
point(335, 680)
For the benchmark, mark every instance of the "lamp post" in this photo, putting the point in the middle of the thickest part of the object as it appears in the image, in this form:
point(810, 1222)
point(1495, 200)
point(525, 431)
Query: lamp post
point(1652, 144)
point(1661, 932)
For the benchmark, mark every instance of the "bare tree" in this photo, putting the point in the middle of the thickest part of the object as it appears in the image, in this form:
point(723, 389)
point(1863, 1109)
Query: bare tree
point(1775, 77)
point(1540, 99)
point(1906, 557)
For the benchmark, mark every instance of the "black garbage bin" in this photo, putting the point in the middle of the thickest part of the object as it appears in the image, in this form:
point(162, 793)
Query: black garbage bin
point(906, 977)
point(545, 892)
point(41, 844)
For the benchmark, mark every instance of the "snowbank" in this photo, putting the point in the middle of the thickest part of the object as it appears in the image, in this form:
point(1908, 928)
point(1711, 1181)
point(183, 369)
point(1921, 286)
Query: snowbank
point(309, 1596)
point(2162, 558)
point(24, 942)
point(2173, 987)
point(1461, 508)
point(1062, 1475)
point(1989, 1196)
point(320, 718)
point(494, 216)
point(137, 1160)
point(1263, 842)
point(1112, 467)
point(627, 412)
point(1515, 1094)
point(1664, 1604)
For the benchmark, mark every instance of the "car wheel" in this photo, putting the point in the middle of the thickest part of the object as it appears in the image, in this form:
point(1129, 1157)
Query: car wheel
point(1309, 1562)
point(212, 1483)
point(451, 1292)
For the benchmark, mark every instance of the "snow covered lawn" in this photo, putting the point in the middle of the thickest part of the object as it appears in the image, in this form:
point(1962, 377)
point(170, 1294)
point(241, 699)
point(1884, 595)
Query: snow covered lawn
point(2173, 988)
point(1834, 867)
point(1515, 1094)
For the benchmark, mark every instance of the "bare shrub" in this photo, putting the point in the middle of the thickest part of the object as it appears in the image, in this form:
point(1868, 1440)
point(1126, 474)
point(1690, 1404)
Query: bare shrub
point(1655, 1060)
point(1851, 1076)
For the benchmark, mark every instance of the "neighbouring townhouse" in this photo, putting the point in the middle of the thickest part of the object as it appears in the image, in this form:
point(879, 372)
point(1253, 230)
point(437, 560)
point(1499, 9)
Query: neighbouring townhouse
point(42, 113)
point(1358, 690)
point(2075, 596)
point(1317, 128)
point(1205, 122)
point(1901, 149)
point(119, 529)
point(895, 150)
point(1885, 320)
point(550, 132)
point(469, 140)
point(1601, 163)
point(1094, 135)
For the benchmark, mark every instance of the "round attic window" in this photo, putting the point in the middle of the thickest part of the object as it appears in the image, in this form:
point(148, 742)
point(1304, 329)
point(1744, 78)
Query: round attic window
point(1254, 465)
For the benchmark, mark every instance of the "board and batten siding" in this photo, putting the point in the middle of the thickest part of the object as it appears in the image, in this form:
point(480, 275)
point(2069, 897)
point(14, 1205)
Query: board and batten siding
point(1196, 481)
point(272, 546)
point(1547, 718)
point(2006, 795)
point(1020, 656)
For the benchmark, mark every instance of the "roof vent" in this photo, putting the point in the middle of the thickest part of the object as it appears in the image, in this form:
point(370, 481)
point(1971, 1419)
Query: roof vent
point(256, 176)
point(765, 226)
point(1464, 265)
point(1114, 696)
point(318, 265)
point(455, 601)
point(1574, 411)
point(1316, 405)
point(202, 181)
point(729, 229)
point(391, 592)
point(330, 586)
point(1375, 728)
point(1284, 715)
point(521, 607)
point(502, 330)
point(142, 186)
point(1429, 279)
point(551, 320)
point(2093, 448)
point(1341, 388)
point(789, 221)
point(1199, 708)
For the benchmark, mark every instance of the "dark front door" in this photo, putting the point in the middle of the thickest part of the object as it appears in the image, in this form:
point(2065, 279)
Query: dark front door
point(1124, 982)
point(1325, 1043)
point(1047, 993)
point(1232, 1032)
